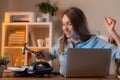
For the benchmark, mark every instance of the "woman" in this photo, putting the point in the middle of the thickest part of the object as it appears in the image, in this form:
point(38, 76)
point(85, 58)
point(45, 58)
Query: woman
point(77, 35)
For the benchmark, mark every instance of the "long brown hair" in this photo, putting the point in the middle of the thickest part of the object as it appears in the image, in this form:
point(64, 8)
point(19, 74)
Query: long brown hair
point(79, 22)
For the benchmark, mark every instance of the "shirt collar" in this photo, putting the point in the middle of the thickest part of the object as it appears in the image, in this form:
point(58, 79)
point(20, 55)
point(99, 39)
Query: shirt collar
point(69, 41)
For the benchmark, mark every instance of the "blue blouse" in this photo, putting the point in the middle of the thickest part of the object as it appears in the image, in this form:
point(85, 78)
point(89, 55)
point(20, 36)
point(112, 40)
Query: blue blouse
point(93, 42)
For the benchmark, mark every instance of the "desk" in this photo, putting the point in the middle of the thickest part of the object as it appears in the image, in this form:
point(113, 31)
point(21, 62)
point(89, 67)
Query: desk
point(8, 75)
point(57, 77)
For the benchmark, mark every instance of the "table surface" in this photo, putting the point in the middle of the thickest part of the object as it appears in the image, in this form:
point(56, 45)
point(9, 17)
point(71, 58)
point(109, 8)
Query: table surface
point(8, 75)
point(57, 77)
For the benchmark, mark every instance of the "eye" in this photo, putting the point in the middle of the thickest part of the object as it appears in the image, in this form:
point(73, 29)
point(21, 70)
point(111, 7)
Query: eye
point(63, 24)
point(69, 24)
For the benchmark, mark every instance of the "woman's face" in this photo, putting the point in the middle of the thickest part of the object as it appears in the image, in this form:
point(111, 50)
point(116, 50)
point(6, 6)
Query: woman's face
point(67, 27)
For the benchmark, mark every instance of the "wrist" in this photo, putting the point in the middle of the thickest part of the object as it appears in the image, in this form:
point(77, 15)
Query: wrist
point(112, 32)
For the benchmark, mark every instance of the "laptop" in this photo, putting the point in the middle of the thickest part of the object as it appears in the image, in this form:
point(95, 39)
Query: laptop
point(88, 62)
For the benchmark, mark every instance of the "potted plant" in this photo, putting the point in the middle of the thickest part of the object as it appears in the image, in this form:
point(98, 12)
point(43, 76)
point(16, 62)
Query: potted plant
point(3, 62)
point(47, 8)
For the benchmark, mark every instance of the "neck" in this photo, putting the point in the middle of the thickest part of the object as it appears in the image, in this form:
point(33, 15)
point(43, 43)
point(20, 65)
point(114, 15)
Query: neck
point(74, 40)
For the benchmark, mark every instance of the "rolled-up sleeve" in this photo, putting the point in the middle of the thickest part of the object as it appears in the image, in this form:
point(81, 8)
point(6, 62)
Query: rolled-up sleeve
point(53, 52)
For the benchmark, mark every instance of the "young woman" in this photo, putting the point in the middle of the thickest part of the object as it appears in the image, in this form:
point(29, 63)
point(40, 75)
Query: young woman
point(77, 35)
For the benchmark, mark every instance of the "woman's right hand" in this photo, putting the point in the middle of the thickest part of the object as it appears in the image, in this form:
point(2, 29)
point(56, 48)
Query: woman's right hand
point(40, 54)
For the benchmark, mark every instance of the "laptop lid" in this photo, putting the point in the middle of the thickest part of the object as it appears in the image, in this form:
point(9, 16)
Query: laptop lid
point(88, 62)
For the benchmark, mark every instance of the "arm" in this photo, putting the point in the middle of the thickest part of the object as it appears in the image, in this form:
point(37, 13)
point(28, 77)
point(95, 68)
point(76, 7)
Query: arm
point(110, 25)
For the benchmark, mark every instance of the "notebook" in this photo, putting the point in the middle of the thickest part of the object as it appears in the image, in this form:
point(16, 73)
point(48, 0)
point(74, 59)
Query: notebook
point(88, 62)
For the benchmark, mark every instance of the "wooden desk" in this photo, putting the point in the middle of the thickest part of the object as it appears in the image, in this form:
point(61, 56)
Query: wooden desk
point(7, 73)
point(9, 76)
point(56, 78)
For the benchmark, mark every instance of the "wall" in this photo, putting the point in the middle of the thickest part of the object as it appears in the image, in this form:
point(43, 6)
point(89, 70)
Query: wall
point(95, 10)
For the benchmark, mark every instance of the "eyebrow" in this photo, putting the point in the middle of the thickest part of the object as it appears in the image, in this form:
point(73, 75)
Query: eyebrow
point(67, 22)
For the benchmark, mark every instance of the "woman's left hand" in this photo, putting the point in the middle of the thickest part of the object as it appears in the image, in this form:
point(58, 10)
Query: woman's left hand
point(110, 23)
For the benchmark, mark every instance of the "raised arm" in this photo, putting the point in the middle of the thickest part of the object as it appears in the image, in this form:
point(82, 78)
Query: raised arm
point(110, 25)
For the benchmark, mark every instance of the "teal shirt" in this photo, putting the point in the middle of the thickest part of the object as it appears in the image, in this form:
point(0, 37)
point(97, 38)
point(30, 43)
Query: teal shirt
point(93, 42)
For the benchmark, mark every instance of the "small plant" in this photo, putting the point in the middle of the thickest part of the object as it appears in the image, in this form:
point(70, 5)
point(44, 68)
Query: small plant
point(3, 60)
point(46, 7)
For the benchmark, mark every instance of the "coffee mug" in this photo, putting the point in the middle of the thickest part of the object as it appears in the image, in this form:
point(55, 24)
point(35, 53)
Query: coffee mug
point(47, 41)
point(40, 42)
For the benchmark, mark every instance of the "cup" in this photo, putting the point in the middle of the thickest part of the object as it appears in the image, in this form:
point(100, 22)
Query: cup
point(39, 19)
point(47, 42)
point(40, 42)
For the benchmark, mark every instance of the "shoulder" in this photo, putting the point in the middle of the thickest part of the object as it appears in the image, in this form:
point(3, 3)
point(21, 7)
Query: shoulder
point(59, 39)
point(97, 39)
point(93, 38)
point(57, 43)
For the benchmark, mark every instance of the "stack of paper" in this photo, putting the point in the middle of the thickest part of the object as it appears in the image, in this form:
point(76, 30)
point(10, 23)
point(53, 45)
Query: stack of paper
point(17, 38)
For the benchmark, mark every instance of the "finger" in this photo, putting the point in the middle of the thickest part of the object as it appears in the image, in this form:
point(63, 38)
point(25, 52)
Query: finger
point(109, 19)
point(113, 21)
point(105, 20)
